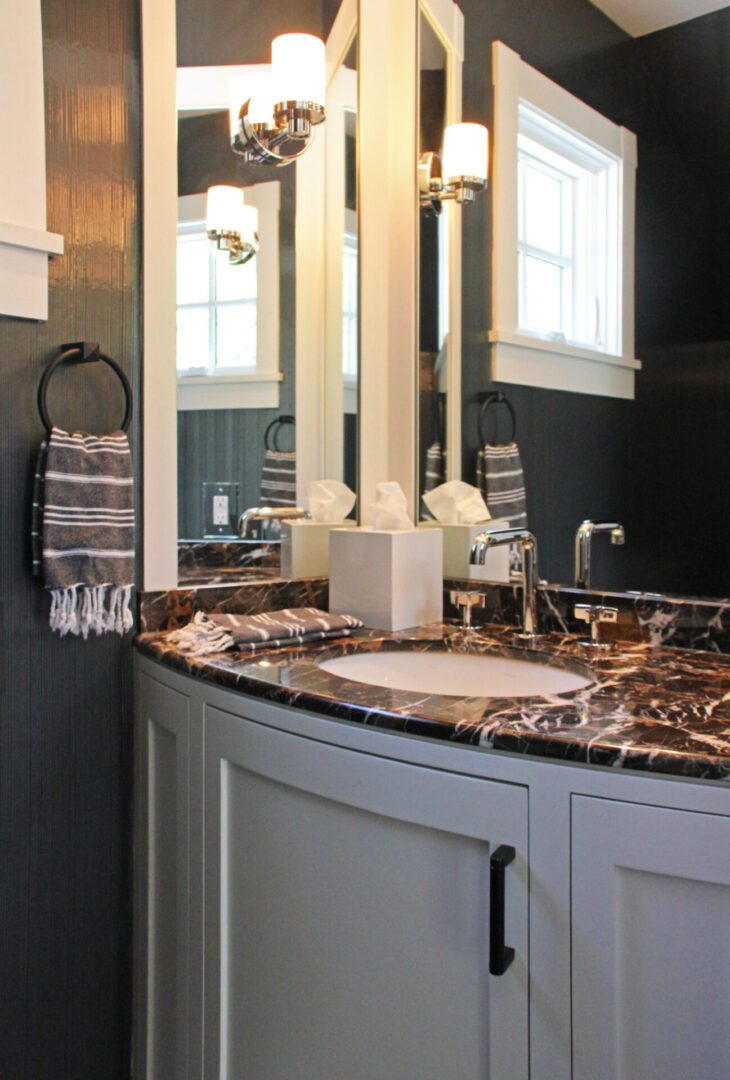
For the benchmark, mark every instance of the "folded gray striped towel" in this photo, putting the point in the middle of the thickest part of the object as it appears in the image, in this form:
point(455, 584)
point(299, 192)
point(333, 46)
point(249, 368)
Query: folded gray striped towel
point(83, 530)
point(269, 630)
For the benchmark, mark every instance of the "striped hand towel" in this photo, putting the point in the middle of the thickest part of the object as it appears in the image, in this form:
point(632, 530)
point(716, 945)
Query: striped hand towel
point(434, 475)
point(501, 481)
point(279, 478)
point(269, 630)
point(83, 530)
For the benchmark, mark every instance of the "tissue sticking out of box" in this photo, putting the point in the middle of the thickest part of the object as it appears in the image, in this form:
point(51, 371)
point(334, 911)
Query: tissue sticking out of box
point(457, 503)
point(329, 500)
point(390, 509)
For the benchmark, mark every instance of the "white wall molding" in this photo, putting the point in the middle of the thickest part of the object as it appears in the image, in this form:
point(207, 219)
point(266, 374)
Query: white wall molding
point(25, 245)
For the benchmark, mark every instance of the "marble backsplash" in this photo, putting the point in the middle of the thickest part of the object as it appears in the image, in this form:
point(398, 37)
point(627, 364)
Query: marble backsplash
point(681, 623)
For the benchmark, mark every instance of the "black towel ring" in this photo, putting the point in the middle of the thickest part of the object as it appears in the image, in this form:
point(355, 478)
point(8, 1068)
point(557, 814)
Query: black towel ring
point(82, 352)
point(276, 425)
point(496, 397)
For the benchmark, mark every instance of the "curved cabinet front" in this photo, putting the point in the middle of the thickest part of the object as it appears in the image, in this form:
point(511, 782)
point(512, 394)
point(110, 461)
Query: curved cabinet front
point(343, 899)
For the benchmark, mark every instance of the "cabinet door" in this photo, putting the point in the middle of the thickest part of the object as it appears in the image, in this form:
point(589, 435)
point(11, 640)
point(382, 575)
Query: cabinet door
point(347, 915)
point(650, 942)
point(161, 869)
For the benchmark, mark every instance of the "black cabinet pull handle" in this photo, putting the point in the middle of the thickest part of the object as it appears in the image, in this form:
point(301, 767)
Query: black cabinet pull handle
point(500, 955)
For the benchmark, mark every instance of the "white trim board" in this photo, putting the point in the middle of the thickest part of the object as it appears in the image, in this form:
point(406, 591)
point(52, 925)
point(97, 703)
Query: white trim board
point(24, 242)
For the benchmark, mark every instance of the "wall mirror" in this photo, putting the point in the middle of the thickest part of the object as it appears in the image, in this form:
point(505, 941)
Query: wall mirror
point(282, 325)
point(643, 463)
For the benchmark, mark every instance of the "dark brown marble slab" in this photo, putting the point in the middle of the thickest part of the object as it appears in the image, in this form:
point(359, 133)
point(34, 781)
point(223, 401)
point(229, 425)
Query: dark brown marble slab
point(160, 611)
point(651, 709)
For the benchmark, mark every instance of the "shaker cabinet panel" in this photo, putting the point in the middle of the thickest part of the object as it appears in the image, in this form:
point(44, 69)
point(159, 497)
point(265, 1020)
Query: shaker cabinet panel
point(347, 915)
point(650, 942)
point(162, 777)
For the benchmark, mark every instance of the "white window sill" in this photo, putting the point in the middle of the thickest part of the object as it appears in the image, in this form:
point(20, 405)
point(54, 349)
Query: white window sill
point(253, 391)
point(555, 365)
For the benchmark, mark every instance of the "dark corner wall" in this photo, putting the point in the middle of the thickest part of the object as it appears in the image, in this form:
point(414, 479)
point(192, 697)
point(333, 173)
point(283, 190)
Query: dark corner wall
point(651, 462)
point(66, 705)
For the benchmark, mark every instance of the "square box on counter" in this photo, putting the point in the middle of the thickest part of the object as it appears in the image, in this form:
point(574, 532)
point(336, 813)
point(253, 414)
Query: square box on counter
point(458, 540)
point(305, 547)
point(390, 580)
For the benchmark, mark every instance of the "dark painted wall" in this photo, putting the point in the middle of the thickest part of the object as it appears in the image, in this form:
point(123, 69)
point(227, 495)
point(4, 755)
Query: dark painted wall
point(65, 705)
point(586, 456)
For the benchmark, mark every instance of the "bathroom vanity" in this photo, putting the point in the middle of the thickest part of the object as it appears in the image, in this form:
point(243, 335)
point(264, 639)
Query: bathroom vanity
point(322, 867)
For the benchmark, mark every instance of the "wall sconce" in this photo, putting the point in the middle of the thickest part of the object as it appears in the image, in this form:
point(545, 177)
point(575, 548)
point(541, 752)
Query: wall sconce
point(461, 171)
point(231, 224)
point(272, 117)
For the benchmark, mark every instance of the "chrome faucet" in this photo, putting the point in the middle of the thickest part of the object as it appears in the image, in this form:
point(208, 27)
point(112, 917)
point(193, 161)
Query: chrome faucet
point(267, 513)
point(528, 543)
point(583, 538)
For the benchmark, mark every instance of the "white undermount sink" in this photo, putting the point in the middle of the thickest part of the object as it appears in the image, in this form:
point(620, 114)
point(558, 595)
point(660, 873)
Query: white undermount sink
point(455, 674)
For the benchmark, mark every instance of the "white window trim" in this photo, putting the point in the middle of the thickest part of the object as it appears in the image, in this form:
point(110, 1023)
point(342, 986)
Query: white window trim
point(245, 390)
point(517, 357)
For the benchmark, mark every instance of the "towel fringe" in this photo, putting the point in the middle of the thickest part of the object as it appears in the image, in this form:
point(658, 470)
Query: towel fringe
point(80, 608)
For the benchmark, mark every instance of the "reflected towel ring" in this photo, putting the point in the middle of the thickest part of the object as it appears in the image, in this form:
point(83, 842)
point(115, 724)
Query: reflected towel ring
point(276, 425)
point(82, 352)
point(496, 397)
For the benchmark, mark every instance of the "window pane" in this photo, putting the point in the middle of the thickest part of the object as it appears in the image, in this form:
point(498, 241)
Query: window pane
point(542, 210)
point(236, 335)
point(192, 338)
point(235, 282)
point(192, 271)
point(540, 296)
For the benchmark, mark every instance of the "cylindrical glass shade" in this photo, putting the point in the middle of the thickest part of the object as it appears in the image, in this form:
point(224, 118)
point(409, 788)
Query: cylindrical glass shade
point(257, 86)
point(249, 224)
point(466, 152)
point(224, 209)
point(297, 68)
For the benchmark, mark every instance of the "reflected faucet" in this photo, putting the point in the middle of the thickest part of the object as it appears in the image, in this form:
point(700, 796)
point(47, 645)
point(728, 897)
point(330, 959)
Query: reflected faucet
point(583, 538)
point(267, 513)
point(528, 543)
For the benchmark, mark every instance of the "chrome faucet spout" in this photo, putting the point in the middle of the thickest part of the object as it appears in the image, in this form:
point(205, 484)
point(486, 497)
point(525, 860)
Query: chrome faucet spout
point(528, 543)
point(583, 538)
point(267, 513)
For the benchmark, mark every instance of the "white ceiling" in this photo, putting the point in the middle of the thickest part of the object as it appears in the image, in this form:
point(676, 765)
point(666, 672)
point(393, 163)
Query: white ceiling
point(639, 17)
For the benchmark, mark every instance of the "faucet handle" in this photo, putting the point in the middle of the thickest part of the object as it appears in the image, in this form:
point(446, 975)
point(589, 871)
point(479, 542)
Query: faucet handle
point(594, 615)
point(466, 601)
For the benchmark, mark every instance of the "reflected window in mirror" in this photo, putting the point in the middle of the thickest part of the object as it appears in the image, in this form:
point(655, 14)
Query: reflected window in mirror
point(216, 307)
point(228, 314)
point(563, 251)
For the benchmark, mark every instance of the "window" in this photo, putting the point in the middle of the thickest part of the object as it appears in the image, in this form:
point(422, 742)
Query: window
point(562, 269)
point(216, 307)
point(227, 349)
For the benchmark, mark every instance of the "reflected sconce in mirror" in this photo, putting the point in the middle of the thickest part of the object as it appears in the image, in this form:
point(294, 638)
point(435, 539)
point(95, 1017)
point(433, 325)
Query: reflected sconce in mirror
point(272, 117)
point(231, 224)
point(461, 171)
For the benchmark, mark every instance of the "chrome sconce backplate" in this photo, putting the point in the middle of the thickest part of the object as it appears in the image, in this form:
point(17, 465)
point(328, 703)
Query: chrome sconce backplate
point(283, 143)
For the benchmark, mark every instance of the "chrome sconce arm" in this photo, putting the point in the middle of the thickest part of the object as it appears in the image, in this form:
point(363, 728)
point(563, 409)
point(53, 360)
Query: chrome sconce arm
point(239, 251)
point(433, 191)
point(281, 143)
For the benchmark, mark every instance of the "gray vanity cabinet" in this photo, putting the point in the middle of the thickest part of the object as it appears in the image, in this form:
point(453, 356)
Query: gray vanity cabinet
point(347, 914)
point(343, 899)
point(650, 942)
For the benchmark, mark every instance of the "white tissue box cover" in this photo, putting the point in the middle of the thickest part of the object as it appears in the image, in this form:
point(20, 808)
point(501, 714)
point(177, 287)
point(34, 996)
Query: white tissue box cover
point(305, 547)
point(390, 580)
point(458, 540)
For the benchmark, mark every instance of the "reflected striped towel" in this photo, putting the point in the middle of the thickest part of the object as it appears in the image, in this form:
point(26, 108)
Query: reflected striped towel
point(501, 481)
point(279, 478)
point(434, 475)
point(83, 530)
point(269, 630)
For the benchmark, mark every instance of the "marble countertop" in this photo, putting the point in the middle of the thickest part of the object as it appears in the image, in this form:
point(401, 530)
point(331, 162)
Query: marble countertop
point(650, 709)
